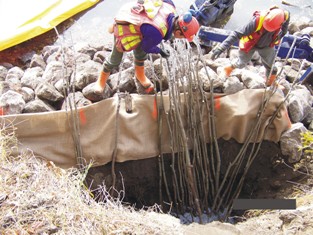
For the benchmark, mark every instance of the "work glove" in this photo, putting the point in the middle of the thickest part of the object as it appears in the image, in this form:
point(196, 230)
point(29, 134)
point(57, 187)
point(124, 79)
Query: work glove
point(216, 52)
point(280, 35)
point(164, 53)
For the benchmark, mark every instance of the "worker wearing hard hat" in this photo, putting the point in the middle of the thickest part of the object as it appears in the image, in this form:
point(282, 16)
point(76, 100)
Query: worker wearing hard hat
point(141, 28)
point(261, 34)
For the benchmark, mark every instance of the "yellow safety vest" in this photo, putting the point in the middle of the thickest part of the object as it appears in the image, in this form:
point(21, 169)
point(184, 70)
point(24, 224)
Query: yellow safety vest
point(246, 43)
point(130, 18)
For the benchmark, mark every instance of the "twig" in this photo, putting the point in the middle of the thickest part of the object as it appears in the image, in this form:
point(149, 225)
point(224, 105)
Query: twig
point(114, 153)
point(292, 5)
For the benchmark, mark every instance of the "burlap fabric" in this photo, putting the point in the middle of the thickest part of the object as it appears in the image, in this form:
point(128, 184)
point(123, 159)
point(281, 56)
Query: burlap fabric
point(50, 135)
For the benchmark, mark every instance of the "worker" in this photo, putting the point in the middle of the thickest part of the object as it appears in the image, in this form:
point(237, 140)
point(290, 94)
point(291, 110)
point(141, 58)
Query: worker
point(141, 28)
point(261, 34)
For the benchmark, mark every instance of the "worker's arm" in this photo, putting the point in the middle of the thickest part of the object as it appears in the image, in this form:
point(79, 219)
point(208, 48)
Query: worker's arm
point(234, 36)
point(284, 27)
point(151, 36)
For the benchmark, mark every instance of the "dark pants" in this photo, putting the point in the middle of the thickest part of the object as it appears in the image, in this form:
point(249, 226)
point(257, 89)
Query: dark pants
point(116, 57)
point(267, 55)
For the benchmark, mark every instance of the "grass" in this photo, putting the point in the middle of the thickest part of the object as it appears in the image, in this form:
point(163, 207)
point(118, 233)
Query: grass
point(37, 197)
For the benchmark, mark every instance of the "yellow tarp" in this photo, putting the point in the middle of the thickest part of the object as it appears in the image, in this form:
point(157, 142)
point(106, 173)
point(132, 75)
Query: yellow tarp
point(21, 20)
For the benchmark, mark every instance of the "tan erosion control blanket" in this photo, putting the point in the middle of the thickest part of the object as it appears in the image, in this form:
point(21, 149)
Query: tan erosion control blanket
point(49, 135)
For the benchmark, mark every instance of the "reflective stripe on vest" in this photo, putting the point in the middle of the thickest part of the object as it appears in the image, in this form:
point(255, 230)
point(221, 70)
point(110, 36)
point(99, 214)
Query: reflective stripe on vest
point(130, 43)
point(246, 43)
point(128, 37)
point(152, 7)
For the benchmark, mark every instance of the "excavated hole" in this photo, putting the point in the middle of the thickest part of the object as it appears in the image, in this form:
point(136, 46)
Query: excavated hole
point(267, 178)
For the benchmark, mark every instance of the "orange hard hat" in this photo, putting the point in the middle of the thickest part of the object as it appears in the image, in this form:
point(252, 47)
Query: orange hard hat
point(189, 25)
point(274, 19)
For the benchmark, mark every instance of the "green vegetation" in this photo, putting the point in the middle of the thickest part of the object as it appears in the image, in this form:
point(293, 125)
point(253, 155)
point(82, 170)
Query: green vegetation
point(306, 162)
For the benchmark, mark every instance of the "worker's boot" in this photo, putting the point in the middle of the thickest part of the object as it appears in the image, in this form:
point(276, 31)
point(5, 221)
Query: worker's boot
point(144, 81)
point(273, 75)
point(271, 79)
point(228, 70)
point(101, 82)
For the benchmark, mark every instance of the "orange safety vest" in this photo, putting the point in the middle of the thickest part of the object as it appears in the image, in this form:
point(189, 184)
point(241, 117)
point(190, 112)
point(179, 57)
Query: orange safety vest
point(246, 43)
point(130, 18)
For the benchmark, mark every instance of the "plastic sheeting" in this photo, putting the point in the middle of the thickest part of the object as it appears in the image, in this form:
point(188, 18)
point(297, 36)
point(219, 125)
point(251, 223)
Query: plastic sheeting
point(49, 135)
point(21, 20)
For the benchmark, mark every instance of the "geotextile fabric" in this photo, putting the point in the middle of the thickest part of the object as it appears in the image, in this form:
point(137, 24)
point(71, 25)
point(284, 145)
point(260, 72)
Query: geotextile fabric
point(106, 126)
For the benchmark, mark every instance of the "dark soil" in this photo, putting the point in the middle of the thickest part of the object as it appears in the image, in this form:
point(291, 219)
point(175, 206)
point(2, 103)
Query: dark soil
point(21, 54)
point(140, 179)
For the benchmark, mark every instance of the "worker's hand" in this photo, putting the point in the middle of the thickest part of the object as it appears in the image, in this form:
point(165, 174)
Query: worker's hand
point(279, 36)
point(164, 53)
point(216, 52)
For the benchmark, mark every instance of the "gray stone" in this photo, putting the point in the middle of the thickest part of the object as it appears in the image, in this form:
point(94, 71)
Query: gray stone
point(48, 92)
point(75, 99)
point(290, 142)
point(85, 74)
point(13, 102)
point(37, 106)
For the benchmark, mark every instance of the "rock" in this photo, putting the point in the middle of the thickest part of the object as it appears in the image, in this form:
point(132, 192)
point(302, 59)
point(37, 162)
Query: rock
point(309, 117)
point(77, 99)
point(85, 74)
point(26, 58)
point(32, 77)
point(290, 74)
point(56, 71)
point(63, 54)
point(62, 86)
point(206, 74)
point(252, 80)
point(37, 106)
point(290, 142)
point(48, 51)
point(299, 103)
point(14, 72)
point(3, 72)
point(100, 56)
point(81, 58)
point(13, 102)
point(4, 87)
point(123, 81)
point(48, 92)
point(28, 94)
point(293, 27)
point(90, 94)
point(308, 30)
point(232, 85)
point(37, 61)
point(85, 48)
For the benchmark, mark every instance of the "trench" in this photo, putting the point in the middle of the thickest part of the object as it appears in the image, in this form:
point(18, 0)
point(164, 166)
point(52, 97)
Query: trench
point(138, 182)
